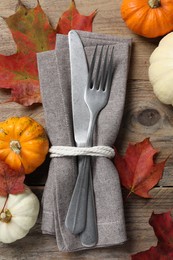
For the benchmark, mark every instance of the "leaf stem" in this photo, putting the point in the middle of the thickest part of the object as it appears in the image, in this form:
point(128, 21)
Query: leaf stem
point(5, 203)
point(128, 195)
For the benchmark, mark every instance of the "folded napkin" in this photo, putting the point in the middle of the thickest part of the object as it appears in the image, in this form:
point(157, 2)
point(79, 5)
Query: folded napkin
point(54, 75)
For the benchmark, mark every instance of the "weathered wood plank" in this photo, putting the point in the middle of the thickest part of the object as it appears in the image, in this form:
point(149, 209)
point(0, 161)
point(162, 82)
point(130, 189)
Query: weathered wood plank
point(144, 116)
point(140, 233)
point(147, 117)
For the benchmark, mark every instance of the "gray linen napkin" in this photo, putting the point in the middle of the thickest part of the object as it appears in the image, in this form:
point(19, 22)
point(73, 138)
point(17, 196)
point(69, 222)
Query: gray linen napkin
point(54, 75)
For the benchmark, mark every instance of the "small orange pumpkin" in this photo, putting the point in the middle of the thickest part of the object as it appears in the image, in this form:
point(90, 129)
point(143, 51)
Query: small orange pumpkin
point(149, 18)
point(23, 143)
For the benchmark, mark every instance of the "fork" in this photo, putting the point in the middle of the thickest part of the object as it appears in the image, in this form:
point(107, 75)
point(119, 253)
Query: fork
point(96, 97)
point(97, 90)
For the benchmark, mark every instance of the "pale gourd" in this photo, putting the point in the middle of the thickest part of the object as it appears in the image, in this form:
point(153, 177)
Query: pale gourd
point(18, 216)
point(161, 70)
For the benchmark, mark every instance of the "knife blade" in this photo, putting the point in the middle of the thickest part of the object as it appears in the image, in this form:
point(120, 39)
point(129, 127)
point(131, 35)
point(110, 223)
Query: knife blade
point(79, 76)
point(79, 207)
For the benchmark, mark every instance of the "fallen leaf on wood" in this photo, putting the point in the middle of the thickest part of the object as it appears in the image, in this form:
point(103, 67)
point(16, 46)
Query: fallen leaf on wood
point(17, 74)
point(72, 19)
point(33, 33)
point(137, 170)
point(11, 181)
point(163, 228)
point(31, 30)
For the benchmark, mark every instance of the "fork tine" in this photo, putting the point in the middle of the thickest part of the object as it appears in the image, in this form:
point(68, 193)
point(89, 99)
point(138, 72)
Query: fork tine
point(110, 72)
point(91, 69)
point(105, 72)
point(98, 71)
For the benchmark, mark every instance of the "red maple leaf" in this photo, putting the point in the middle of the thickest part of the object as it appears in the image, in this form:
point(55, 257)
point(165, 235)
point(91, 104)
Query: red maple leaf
point(72, 19)
point(33, 33)
point(163, 228)
point(17, 74)
point(137, 170)
point(11, 181)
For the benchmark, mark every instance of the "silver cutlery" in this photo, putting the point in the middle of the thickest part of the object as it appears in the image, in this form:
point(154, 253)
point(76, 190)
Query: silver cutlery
point(77, 211)
point(81, 217)
point(96, 97)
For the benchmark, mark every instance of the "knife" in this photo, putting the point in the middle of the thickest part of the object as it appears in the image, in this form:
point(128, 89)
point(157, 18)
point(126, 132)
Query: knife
point(81, 211)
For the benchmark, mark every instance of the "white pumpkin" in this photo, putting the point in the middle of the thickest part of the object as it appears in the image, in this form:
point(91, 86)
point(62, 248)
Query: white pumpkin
point(161, 70)
point(19, 215)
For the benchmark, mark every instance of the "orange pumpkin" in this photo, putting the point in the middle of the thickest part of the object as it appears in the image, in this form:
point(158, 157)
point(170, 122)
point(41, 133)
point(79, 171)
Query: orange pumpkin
point(149, 18)
point(23, 143)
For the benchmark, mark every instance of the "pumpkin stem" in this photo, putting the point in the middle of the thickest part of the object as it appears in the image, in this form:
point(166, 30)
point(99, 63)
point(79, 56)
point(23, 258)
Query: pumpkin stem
point(15, 146)
point(5, 216)
point(154, 3)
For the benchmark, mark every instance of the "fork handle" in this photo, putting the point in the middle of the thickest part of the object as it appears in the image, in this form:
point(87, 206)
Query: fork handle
point(76, 215)
point(89, 237)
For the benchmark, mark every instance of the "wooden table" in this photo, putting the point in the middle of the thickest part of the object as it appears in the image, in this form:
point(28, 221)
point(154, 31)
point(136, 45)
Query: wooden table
point(144, 116)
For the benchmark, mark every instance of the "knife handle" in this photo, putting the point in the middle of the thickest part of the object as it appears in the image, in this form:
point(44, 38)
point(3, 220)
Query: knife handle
point(76, 215)
point(89, 237)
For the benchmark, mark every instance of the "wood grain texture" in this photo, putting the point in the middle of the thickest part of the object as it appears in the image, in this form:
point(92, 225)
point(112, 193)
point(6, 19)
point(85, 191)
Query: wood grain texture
point(144, 116)
point(140, 233)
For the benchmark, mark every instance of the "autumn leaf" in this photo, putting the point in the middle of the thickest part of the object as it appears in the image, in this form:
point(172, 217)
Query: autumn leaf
point(163, 228)
point(11, 181)
point(33, 33)
point(31, 30)
point(72, 19)
point(137, 170)
point(17, 74)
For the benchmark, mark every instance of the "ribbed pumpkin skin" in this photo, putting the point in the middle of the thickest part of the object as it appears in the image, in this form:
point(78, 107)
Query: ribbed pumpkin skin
point(33, 142)
point(146, 21)
point(161, 70)
point(24, 208)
